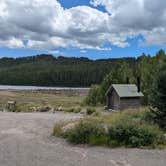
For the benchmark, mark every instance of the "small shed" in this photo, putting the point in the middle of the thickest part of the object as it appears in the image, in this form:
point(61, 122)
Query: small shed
point(124, 96)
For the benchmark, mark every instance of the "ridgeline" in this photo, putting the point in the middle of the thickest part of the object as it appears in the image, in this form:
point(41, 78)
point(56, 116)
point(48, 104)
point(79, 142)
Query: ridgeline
point(47, 70)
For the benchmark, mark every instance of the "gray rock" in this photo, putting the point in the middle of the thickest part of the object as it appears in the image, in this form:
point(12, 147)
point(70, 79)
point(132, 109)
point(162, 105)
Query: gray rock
point(83, 112)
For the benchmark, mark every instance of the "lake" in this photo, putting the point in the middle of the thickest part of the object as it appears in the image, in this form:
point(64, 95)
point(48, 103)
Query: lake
point(15, 87)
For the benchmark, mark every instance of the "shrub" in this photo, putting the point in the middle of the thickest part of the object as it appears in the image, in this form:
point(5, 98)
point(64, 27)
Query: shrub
point(77, 110)
point(68, 110)
point(90, 111)
point(57, 131)
point(87, 132)
point(140, 116)
point(134, 134)
point(96, 114)
point(129, 128)
point(93, 97)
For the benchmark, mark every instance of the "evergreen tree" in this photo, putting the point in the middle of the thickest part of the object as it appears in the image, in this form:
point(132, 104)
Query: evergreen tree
point(158, 98)
point(118, 75)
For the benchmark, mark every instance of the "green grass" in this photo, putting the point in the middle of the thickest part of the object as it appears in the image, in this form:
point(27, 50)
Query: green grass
point(57, 131)
point(132, 128)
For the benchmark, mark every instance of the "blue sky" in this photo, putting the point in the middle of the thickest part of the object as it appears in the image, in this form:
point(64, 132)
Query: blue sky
point(121, 38)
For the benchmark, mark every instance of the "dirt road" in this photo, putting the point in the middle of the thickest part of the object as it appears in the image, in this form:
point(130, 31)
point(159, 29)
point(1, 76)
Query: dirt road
point(25, 140)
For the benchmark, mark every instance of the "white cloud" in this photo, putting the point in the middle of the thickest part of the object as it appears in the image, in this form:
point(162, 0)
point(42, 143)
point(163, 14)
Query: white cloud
point(134, 17)
point(83, 51)
point(46, 25)
point(12, 43)
point(53, 51)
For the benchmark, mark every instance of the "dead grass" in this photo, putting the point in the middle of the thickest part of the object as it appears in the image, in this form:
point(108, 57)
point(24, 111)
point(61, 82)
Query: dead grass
point(28, 99)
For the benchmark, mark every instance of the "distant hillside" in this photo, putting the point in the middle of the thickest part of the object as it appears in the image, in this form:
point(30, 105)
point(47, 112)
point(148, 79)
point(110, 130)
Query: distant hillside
point(47, 70)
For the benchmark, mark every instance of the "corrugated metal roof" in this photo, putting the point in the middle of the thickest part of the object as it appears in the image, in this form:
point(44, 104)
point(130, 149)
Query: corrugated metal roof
point(126, 90)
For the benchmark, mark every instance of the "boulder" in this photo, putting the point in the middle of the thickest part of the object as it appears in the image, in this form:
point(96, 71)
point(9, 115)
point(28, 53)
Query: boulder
point(83, 111)
point(45, 109)
point(59, 109)
point(69, 126)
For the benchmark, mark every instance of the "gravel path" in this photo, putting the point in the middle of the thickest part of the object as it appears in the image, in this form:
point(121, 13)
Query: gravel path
point(25, 140)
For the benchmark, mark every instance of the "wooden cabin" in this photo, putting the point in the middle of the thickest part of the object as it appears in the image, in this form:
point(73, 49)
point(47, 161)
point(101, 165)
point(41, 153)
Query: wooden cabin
point(124, 96)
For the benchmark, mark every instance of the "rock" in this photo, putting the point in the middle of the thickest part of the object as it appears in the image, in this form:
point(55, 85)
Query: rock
point(45, 109)
point(83, 111)
point(60, 109)
point(69, 126)
point(41, 109)
point(52, 110)
point(34, 109)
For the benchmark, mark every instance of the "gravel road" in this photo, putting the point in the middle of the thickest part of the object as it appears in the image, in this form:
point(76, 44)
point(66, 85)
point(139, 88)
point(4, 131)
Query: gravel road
point(25, 140)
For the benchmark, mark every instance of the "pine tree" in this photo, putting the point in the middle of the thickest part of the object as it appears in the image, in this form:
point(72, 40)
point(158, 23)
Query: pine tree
point(158, 98)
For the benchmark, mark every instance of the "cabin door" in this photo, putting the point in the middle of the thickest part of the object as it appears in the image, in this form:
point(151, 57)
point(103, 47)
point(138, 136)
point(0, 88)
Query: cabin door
point(112, 102)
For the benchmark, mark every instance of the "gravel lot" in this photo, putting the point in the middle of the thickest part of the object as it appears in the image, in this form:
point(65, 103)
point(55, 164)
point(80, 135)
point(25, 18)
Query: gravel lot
point(25, 140)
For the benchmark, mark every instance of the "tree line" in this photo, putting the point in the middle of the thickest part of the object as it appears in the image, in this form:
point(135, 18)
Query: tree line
point(146, 67)
point(47, 70)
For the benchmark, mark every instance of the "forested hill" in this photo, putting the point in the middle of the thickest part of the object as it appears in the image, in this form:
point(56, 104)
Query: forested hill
point(47, 70)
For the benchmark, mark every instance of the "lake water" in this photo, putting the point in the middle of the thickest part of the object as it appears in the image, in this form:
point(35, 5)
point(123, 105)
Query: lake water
point(13, 87)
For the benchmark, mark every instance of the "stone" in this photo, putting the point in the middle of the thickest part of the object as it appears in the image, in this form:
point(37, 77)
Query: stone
point(69, 126)
point(45, 109)
point(60, 109)
point(83, 111)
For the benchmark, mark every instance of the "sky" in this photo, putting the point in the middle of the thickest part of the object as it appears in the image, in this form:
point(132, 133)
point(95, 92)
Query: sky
point(95, 29)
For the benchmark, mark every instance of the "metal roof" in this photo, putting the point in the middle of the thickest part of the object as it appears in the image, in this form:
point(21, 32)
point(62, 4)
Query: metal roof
point(126, 90)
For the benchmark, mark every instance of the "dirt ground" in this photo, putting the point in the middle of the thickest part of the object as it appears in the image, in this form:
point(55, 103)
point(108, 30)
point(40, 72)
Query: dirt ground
point(25, 140)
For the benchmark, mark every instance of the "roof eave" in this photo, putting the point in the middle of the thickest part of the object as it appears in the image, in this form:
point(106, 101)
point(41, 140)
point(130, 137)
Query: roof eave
point(108, 90)
point(131, 96)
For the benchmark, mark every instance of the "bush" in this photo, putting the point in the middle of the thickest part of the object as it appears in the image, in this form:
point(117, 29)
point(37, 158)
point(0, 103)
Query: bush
point(133, 134)
point(90, 111)
point(57, 131)
point(87, 132)
point(129, 129)
point(75, 110)
point(141, 116)
point(96, 114)
point(93, 97)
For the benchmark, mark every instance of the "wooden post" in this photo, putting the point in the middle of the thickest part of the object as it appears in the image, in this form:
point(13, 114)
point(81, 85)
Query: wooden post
point(11, 106)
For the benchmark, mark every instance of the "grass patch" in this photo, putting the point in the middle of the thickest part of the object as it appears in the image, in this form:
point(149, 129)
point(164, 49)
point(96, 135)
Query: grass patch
point(131, 134)
point(127, 129)
point(87, 132)
point(27, 99)
point(90, 110)
point(72, 109)
point(57, 131)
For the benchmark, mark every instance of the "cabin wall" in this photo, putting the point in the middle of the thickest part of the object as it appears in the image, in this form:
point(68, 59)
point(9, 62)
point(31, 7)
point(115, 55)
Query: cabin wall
point(130, 103)
point(113, 101)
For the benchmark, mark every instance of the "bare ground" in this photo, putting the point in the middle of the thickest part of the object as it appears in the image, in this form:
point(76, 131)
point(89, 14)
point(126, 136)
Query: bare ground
point(25, 140)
